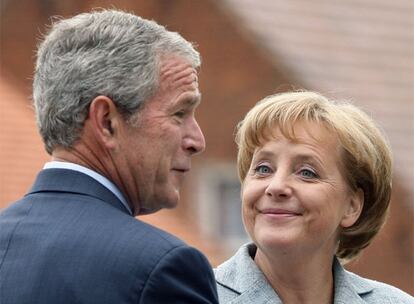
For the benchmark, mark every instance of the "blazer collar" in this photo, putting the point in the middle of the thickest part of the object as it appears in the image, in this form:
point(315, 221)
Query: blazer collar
point(241, 274)
point(70, 181)
point(349, 287)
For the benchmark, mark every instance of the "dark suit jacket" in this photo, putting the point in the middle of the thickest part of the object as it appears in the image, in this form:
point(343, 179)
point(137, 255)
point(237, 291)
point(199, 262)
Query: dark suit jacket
point(70, 240)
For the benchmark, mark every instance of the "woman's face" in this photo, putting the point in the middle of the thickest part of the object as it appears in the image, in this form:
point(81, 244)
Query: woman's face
point(295, 196)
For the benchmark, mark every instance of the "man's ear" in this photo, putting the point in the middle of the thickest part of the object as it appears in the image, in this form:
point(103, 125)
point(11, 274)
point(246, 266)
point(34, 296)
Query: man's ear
point(353, 209)
point(104, 120)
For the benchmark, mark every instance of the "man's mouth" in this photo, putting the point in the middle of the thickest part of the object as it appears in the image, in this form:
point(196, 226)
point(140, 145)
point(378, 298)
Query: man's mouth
point(181, 170)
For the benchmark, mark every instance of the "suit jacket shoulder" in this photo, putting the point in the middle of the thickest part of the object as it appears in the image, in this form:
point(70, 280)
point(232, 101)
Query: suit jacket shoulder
point(70, 240)
point(239, 280)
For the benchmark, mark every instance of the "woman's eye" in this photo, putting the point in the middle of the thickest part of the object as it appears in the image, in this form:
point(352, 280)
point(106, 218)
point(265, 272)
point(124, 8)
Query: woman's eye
point(262, 169)
point(308, 174)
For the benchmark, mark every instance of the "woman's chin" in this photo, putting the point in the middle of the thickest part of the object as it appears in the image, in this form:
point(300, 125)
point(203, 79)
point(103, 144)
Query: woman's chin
point(276, 242)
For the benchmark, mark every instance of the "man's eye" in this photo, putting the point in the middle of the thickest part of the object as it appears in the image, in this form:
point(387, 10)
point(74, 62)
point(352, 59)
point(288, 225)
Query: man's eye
point(262, 169)
point(180, 114)
point(307, 174)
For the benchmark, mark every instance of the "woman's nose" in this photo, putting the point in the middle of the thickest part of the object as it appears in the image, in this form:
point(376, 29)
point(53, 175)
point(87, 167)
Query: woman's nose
point(279, 186)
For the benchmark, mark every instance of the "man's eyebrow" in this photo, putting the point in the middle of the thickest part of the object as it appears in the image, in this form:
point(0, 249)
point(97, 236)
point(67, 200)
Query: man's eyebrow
point(191, 101)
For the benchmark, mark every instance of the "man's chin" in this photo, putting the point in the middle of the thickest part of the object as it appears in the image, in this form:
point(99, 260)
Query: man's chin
point(146, 211)
point(158, 204)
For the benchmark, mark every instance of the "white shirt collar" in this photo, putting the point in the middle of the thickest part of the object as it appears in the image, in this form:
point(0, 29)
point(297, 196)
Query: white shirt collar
point(96, 176)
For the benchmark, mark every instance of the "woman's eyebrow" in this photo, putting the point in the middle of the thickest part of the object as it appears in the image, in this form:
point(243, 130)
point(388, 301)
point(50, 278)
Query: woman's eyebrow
point(309, 157)
point(263, 153)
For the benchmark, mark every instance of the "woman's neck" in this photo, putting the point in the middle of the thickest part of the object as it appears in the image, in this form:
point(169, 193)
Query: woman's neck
point(298, 279)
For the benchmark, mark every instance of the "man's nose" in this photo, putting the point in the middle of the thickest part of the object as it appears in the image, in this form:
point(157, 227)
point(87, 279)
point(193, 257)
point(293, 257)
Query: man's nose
point(194, 142)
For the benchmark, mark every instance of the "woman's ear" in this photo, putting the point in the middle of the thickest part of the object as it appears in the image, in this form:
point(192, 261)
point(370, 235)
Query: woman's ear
point(353, 209)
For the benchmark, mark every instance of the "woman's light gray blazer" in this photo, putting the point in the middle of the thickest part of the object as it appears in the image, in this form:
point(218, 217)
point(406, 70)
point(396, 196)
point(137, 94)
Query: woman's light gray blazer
point(240, 281)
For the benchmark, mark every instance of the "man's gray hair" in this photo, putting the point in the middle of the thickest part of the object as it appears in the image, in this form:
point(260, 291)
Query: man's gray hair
point(107, 52)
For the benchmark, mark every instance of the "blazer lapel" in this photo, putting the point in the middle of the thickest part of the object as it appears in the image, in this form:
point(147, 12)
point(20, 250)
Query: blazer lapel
point(348, 286)
point(241, 275)
point(70, 181)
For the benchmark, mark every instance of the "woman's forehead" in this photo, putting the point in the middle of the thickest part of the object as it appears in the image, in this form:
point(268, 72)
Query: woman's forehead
point(297, 132)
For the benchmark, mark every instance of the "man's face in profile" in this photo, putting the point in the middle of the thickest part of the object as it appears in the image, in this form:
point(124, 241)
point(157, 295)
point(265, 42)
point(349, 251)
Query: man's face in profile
point(157, 144)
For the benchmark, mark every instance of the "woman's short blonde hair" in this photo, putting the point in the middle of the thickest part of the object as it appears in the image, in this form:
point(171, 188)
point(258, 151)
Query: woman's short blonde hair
point(366, 156)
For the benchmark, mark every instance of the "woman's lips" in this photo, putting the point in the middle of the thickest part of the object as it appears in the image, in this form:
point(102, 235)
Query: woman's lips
point(279, 213)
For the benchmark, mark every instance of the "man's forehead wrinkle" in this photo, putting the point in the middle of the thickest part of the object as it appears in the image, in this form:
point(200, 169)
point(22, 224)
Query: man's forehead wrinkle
point(188, 73)
point(187, 83)
point(173, 66)
point(175, 74)
point(169, 70)
point(184, 82)
point(182, 85)
point(178, 75)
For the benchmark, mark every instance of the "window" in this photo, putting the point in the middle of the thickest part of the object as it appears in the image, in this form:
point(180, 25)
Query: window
point(219, 205)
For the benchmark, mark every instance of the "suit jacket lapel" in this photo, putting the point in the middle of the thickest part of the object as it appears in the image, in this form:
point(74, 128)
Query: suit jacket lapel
point(70, 181)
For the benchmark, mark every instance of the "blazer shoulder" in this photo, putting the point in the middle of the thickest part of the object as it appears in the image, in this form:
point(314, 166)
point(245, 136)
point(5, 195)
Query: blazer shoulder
point(381, 293)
